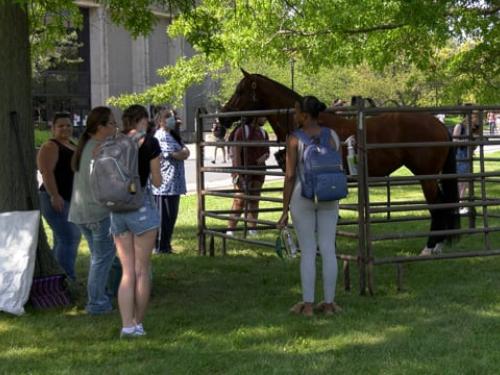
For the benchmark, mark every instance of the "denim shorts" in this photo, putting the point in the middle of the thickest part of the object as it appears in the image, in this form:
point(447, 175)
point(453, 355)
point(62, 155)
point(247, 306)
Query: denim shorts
point(139, 221)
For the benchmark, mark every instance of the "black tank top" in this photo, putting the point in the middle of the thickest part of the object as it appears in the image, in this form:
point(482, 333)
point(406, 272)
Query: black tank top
point(63, 172)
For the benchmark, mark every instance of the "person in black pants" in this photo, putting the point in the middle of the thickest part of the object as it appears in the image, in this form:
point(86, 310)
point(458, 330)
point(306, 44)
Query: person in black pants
point(167, 196)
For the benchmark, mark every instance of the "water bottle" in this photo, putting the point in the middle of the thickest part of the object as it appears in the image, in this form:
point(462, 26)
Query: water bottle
point(289, 242)
point(352, 159)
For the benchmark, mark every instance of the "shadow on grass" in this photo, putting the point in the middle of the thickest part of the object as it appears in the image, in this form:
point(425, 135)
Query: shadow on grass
point(229, 315)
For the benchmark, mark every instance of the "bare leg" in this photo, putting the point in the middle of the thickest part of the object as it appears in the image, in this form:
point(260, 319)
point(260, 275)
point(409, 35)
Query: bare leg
point(125, 247)
point(462, 189)
point(143, 247)
point(215, 155)
point(224, 153)
point(237, 206)
point(253, 205)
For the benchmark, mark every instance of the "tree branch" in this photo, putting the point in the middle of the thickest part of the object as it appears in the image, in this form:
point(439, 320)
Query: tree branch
point(362, 30)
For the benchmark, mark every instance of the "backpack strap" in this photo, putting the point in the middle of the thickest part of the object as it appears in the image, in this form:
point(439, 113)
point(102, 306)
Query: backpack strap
point(302, 136)
point(304, 141)
point(326, 135)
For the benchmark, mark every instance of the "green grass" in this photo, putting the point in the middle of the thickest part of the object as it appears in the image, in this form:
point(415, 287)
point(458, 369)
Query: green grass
point(452, 120)
point(42, 136)
point(228, 315)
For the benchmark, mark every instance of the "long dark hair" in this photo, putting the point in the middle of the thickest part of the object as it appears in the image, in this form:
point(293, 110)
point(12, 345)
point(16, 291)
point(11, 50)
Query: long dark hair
point(97, 116)
point(132, 115)
point(175, 134)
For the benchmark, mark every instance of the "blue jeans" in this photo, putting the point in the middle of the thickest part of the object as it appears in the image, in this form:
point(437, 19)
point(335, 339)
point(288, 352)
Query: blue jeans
point(66, 235)
point(102, 254)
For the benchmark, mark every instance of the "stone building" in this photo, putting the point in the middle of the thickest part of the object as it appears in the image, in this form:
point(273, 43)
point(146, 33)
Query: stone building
point(112, 63)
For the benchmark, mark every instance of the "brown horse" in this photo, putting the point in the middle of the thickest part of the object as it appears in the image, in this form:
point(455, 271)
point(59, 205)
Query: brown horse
point(257, 92)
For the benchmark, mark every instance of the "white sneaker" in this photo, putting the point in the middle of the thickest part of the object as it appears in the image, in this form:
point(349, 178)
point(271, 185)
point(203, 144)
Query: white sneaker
point(139, 330)
point(252, 233)
point(463, 211)
point(230, 233)
point(129, 333)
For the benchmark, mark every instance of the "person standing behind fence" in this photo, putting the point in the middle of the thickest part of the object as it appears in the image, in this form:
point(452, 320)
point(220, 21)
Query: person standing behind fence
point(91, 217)
point(219, 133)
point(135, 231)
point(167, 196)
point(492, 122)
point(460, 133)
point(315, 222)
point(54, 163)
point(255, 159)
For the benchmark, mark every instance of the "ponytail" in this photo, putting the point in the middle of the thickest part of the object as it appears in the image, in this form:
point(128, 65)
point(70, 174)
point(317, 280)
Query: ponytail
point(97, 116)
point(77, 156)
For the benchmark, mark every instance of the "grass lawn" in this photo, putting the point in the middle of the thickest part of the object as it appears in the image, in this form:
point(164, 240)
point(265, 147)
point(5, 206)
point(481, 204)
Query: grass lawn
point(229, 315)
point(42, 136)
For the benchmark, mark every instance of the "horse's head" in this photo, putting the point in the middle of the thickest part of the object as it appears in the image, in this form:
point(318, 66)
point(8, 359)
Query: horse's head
point(247, 97)
point(257, 92)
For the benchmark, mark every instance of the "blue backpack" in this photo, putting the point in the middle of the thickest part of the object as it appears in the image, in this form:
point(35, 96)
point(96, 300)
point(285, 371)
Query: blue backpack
point(323, 178)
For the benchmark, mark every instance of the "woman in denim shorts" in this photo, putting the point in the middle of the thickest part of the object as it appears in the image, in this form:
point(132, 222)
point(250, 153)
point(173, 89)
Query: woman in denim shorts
point(135, 232)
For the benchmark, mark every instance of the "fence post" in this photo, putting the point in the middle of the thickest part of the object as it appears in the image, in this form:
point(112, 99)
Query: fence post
point(362, 251)
point(200, 183)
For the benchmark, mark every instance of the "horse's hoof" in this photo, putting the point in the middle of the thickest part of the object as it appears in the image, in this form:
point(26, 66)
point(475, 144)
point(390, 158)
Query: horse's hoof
point(427, 251)
point(438, 249)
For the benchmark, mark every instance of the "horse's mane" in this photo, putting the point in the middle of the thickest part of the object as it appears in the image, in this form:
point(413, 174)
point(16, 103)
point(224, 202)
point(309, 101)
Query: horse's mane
point(280, 86)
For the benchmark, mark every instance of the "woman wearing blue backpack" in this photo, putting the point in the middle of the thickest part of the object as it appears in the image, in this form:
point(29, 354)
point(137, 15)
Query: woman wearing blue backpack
point(314, 220)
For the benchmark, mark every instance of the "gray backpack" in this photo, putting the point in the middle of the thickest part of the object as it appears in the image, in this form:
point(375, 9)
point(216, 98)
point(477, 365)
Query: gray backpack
point(114, 174)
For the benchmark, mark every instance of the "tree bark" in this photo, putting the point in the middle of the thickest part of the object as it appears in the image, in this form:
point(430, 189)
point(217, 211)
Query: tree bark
point(18, 183)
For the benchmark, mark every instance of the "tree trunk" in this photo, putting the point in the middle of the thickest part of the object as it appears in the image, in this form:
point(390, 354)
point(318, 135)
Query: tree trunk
point(18, 184)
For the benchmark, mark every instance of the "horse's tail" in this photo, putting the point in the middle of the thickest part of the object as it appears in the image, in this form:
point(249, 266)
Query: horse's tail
point(449, 188)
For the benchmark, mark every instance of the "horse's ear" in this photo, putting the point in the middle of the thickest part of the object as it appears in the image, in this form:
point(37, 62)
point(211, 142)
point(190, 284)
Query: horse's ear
point(245, 73)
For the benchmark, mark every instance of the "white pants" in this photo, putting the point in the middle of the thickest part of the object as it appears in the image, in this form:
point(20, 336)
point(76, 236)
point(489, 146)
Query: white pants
point(315, 224)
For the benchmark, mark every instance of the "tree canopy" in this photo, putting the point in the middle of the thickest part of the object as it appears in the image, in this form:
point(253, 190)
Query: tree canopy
point(453, 43)
point(457, 39)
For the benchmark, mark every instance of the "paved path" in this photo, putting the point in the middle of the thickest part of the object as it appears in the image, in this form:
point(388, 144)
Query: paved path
point(215, 180)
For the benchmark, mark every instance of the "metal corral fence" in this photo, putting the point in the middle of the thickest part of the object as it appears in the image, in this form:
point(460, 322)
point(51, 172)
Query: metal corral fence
point(368, 212)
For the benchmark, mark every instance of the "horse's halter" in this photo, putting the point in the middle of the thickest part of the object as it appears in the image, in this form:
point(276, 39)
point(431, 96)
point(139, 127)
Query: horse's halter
point(254, 104)
point(254, 91)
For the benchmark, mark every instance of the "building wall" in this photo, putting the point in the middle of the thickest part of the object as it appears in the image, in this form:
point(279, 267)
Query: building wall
point(120, 64)
point(160, 51)
point(113, 64)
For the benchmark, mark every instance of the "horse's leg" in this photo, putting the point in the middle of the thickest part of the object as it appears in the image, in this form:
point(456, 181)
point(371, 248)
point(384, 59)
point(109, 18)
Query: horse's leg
point(432, 195)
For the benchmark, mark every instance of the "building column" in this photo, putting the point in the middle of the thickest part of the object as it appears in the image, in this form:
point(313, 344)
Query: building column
point(99, 66)
point(140, 64)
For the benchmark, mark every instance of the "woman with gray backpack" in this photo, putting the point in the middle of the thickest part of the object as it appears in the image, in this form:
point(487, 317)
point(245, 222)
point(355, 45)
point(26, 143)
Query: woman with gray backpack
point(135, 230)
point(314, 209)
